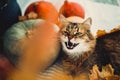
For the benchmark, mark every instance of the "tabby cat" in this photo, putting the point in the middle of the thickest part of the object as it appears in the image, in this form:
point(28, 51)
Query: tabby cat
point(78, 44)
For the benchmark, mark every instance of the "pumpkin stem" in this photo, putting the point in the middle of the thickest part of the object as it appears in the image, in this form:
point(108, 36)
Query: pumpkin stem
point(29, 33)
point(32, 15)
point(65, 1)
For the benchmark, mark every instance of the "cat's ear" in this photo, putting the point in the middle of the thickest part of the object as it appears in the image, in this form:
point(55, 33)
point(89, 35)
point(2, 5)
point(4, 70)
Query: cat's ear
point(88, 21)
point(62, 19)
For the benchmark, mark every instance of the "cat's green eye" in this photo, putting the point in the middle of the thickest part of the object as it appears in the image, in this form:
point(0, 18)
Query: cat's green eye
point(78, 33)
point(65, 33)
point(88, 30)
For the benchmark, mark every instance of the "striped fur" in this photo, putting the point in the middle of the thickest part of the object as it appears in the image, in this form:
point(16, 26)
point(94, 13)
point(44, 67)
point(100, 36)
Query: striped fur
point(70, 65)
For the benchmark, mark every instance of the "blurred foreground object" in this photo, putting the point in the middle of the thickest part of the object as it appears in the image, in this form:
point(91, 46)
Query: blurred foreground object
point(32, 44)
point(5, 67)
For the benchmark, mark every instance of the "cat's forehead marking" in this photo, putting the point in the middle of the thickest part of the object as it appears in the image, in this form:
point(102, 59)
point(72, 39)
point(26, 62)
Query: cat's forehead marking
point(75, 27)
point(72, 27)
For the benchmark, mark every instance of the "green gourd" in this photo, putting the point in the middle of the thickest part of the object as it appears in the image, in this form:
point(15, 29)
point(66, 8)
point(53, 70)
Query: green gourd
point(12, 38)
point(44, 42)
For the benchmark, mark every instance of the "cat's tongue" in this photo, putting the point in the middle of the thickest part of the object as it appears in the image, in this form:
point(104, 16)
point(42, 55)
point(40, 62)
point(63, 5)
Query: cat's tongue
point(75, 19)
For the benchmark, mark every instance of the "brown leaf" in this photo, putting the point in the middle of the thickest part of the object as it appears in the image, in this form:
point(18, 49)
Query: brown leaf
point(107, 73)
point(31, 15)
point(103, 32)
point(22, 18)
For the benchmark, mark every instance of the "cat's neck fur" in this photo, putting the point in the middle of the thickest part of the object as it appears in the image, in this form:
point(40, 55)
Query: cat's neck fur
point(74, 66)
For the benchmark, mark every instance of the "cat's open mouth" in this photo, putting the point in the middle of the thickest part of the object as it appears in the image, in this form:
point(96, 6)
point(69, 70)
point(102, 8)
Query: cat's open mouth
point(71, 45)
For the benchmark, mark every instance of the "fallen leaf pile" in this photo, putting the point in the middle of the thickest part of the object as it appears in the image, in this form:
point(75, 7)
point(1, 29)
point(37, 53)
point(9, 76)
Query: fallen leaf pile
point(103, 32)
point(107, 73)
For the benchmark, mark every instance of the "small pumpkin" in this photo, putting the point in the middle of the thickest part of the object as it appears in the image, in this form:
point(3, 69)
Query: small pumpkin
point(45, 10)
point(32, 44)
point(72, 9)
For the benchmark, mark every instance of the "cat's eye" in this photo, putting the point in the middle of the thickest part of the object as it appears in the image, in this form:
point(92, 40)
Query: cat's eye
point(78, 33)
point(65, 33)
point(88, 30)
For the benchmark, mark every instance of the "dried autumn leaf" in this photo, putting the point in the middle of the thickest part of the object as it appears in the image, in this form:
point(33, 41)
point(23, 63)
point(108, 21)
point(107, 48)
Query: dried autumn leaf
point(107, 73)
point(103, 32)
point(94, 73)
point(115, 29)
point(31, 15)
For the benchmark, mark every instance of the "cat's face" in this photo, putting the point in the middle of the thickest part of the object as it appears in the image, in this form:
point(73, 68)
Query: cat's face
point(76, 38)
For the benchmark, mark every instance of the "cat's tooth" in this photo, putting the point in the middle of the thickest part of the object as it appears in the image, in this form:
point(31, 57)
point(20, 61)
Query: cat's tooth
point(74, 44)
point(67, 44)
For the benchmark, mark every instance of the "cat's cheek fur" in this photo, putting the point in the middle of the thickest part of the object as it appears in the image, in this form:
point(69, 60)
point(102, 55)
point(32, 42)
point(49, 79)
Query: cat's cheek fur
point(63, 38)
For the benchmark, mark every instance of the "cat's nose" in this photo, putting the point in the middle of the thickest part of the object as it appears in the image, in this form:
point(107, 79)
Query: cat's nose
point(70, 37)
point(70, 43)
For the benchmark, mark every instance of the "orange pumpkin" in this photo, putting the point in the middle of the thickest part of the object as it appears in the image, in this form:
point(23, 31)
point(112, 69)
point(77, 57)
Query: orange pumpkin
point(45, 10)
point(72, 9)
